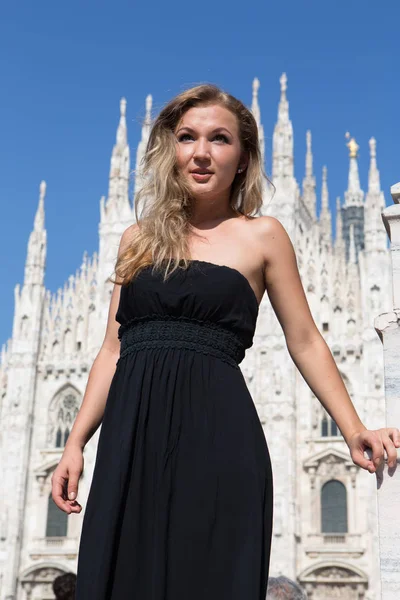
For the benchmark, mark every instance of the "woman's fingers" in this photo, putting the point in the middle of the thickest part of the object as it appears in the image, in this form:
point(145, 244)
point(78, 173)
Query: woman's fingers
point(379, 441)
point(390, 448)
point(363, 440)
point(73, 484)
point(65, 481)
point(59, 484)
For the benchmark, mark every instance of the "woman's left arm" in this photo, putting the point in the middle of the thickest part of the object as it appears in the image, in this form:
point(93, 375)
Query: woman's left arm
point(317, 366)
point(310, 352)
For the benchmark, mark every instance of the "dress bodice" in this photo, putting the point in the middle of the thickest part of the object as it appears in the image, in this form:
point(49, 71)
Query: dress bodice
point(204, 292)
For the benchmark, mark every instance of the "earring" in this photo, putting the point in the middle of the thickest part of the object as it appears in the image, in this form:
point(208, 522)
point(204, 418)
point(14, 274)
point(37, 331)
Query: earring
point(239, 170)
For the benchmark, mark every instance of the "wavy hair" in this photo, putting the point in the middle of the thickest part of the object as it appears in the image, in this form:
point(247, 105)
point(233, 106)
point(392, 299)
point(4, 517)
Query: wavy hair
point(164, 223)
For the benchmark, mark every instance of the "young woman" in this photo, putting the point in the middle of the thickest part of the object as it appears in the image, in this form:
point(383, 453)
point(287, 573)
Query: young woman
point(180, 506)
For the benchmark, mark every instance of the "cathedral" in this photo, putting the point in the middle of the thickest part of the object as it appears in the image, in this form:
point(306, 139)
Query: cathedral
point(325, 509)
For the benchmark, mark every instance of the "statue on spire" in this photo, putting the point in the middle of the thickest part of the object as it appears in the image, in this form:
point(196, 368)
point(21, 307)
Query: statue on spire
point(352, 146)
point(283, 81)
point(372, 147)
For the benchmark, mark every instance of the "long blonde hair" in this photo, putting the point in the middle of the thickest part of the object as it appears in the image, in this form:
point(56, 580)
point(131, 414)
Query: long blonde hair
point(164, 223)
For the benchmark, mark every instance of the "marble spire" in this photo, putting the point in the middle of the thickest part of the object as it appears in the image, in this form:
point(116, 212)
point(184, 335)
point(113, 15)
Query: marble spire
point(374, 183)
point(325, 216)
point(146, 127)
point(255, 109)
point(375, 235)
point(282, 165)
point(36, 253)
point(354, 195)
point(309, 184)
point(118, 199)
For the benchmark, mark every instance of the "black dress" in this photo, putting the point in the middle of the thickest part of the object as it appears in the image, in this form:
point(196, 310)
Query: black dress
point(180, 506)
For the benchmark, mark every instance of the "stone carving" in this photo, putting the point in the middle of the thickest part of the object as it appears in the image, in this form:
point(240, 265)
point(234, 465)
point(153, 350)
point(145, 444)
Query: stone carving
point(331, 466)
point(62, 412)
point(334, 573)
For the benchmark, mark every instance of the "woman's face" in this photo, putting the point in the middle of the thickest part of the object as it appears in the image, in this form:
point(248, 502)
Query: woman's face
point(208, 150)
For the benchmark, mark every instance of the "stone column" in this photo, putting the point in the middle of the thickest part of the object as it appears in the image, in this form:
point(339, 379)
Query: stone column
point(387, 326)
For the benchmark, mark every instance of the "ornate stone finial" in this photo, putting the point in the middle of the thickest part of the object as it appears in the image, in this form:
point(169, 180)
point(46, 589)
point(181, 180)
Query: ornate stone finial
point(42, 188)
point(325, 193)
point(372, 147)
point(122, 106)
point(255, 109)
point(121, 138)
point(149, 104)
point(309, 156)
point(374, 184)
point(308, 140)
point(352, 145)
point(256, 86)
point(283, 81)
point(39, 216)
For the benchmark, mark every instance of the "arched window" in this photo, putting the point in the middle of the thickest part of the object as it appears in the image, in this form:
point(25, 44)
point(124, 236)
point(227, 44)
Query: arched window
point(66, 415)
point(328, 426)
point(333, 507)
point(62, 412)
point(57, 520)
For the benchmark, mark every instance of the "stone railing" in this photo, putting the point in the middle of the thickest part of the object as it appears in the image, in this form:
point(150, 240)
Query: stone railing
point(387, 326)
point(43, 548)
point(342, 543)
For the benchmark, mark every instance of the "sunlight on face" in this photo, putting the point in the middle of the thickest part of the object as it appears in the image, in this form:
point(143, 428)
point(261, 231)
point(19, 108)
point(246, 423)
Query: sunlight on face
point(207, 140)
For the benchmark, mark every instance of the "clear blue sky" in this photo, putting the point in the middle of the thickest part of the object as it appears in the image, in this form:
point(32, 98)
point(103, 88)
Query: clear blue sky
point(65, 66)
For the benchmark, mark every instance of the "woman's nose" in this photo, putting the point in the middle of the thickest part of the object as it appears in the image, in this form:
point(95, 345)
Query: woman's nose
point(201, 148)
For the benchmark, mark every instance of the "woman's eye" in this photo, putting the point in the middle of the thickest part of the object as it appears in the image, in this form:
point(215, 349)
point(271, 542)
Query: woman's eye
point(221, 135)
point(188, 135)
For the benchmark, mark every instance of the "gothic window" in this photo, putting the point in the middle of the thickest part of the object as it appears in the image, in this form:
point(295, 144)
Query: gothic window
point(57, 520)
point(63, 410)
point(333, 507)
point(328, 426)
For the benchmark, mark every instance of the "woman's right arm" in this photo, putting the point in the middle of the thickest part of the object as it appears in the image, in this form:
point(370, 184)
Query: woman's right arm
point(67, 474)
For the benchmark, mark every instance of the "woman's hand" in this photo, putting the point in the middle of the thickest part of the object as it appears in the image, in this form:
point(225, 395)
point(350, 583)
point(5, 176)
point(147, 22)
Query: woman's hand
point(379, 440)
point(65, 480)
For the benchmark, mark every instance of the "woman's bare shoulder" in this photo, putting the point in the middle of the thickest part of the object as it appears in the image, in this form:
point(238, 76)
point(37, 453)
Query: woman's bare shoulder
point(128, 236)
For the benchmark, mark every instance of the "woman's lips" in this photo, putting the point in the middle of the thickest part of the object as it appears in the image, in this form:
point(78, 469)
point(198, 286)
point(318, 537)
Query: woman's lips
point(201, 176)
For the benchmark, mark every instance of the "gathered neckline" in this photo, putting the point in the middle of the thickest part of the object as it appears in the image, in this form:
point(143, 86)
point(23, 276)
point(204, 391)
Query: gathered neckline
point(207, 262)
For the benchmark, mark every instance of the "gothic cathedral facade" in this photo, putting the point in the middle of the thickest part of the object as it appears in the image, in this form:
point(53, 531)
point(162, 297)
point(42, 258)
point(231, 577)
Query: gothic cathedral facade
point(325, 516)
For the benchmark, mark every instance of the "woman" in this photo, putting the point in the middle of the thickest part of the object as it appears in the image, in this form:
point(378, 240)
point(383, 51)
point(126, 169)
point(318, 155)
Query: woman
point(180, 505)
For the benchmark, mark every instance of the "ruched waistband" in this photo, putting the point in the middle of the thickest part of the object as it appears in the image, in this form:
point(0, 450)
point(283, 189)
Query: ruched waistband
point(201, 336)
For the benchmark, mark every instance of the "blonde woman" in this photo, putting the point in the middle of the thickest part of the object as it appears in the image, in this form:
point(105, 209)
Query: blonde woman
point(180, 506)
